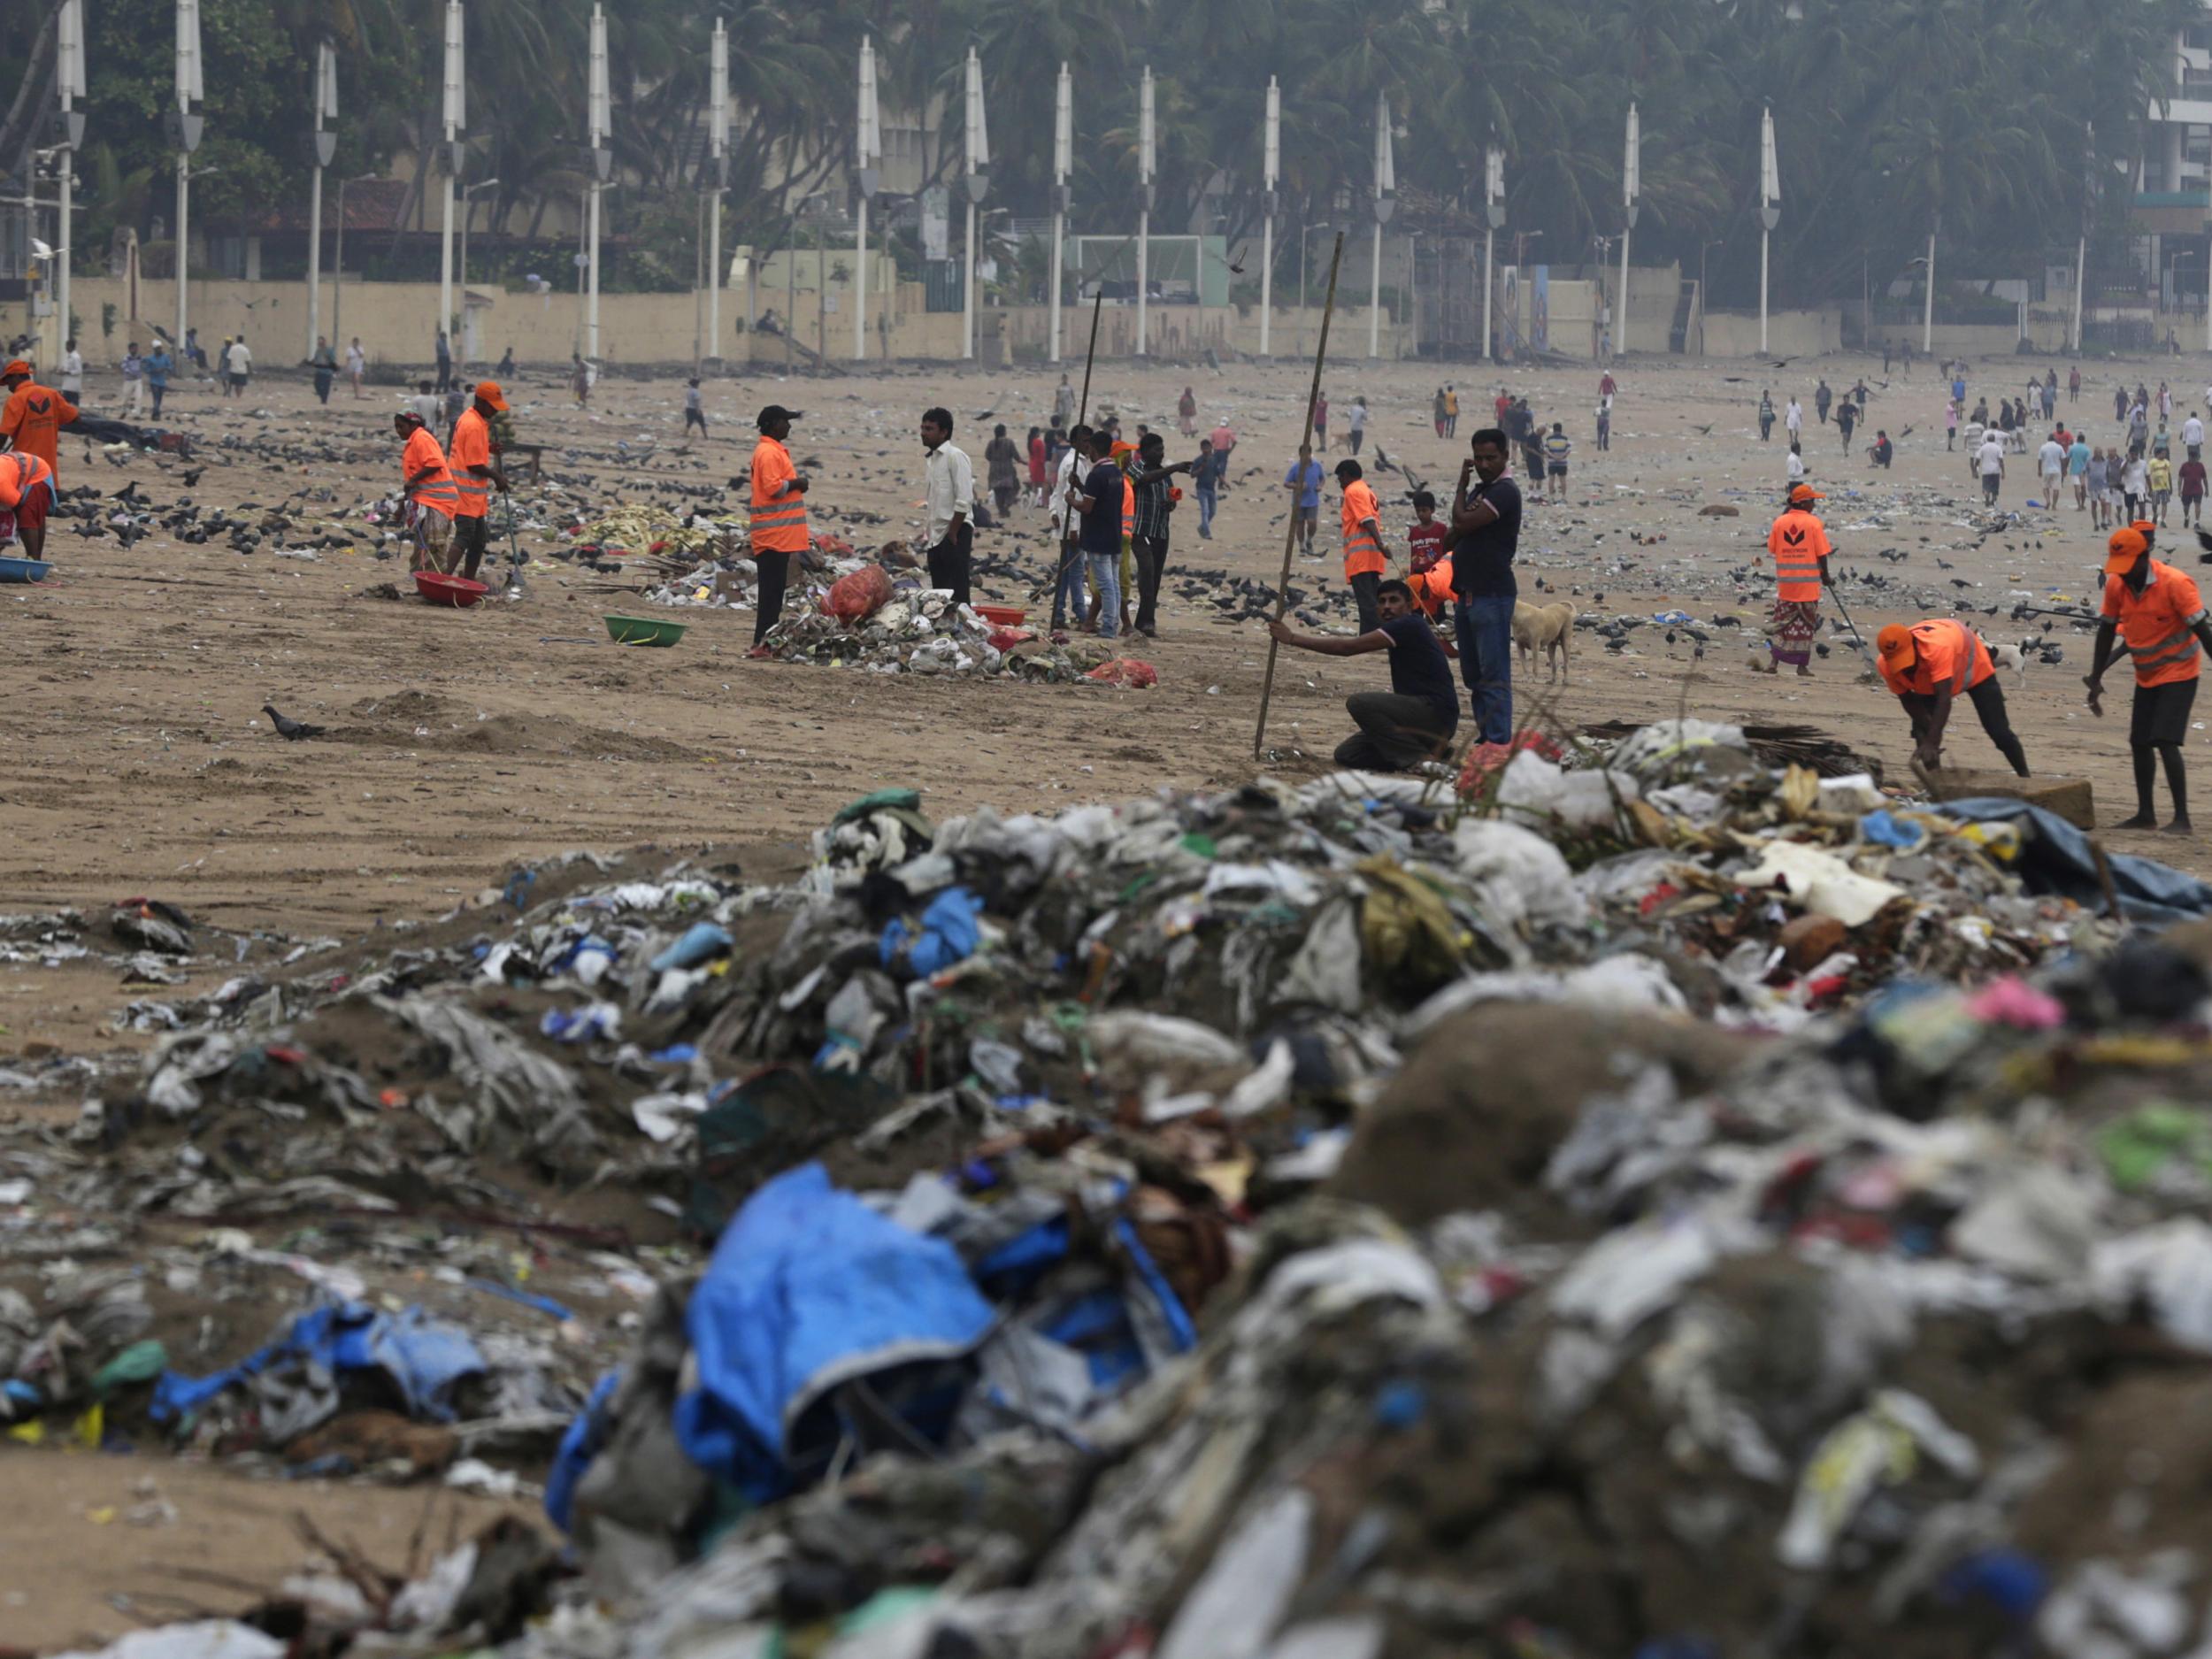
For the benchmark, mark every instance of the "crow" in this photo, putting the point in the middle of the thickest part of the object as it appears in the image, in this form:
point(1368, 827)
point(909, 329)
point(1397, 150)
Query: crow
point(290, 730)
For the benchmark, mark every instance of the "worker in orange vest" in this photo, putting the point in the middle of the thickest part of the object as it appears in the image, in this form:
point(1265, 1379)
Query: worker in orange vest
point(432, 499)
point(1364, 562)
point(2158, 612)
point(1928, 665)
point(1799, 543)
point(778, 517)
point(476, 472)
point(27, 491)
point(33, 415)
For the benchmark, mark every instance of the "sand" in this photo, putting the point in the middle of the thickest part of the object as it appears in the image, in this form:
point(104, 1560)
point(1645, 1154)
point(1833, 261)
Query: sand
point(462, 744)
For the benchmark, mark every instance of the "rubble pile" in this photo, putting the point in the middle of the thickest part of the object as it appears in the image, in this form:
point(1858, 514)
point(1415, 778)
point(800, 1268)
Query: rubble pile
point(922, 630)
point(1656, 1203)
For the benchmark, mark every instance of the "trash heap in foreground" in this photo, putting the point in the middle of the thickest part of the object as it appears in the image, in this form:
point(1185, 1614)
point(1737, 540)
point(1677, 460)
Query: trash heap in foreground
point(1672, 1208)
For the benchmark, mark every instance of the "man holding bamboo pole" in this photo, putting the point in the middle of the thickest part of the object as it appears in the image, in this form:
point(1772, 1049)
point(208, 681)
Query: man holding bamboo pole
point(1486, 535)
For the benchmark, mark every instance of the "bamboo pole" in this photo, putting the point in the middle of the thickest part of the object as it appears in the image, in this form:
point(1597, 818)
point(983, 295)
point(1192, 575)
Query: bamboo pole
point(1290, 533)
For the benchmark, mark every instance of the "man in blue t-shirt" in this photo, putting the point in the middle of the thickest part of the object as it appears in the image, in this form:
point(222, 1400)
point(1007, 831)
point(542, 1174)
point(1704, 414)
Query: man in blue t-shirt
point(1486, 535)
point(2077, 471)
point(1304, 480)
point(1413, 721)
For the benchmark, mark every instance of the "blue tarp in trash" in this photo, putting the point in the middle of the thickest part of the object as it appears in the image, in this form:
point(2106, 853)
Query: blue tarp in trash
point(422, 1357)
point(948, 933)
point(2055, 858)
point(810, 1288)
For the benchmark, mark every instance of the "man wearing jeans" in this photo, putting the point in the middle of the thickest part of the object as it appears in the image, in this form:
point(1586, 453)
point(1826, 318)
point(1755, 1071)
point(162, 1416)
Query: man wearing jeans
point(1411, 723)
point(950, 490)
point(1099, 502)
point(1486, 533)
point(1206, 477)
point(1149, 489)
point(1068, 589)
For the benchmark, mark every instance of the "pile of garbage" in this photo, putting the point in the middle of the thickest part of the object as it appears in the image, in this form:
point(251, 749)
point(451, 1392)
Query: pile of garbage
point(642, 527)
point(916, 630)
point(1654, 1203)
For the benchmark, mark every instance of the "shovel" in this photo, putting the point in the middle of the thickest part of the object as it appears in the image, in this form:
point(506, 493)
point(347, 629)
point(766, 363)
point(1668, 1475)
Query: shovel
point(514, 549)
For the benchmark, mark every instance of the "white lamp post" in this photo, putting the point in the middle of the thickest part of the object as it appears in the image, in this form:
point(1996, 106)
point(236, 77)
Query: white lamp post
point(1493, 216)
point(977, 146)
point(867, 150)
point(325, 99)
point(1386, 204)
point(1769, 213)
point(1632, 186)
point(456, 117)
point(1062, 163)
point(718, 140)
point(1145, 158)
point(600, 118)
point(69, 79)
point(1270, 171)
point(189, 93)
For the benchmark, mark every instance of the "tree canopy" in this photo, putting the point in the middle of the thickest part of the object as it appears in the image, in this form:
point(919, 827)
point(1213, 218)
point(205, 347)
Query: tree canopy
point(1892, 115)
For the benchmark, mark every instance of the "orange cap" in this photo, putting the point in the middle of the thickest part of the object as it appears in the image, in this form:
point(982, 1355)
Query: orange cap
point(1800, 495)
point(16, 367)
point(487, 391)
point(2122, 549)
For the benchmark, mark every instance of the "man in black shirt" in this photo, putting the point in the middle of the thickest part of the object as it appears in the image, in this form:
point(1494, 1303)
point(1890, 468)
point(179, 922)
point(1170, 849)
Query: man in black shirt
point(1414, 720)
point(1099, 502)
point(1151, 505)
point(1486, 535)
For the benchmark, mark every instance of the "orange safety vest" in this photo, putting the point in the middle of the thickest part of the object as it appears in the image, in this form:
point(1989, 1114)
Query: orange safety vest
point(2158, 624)
point(34, 417)
point(779, 521)
point(21, 473)
point(1946, 652)
point(1798, 541)
point(437, 492)
point(471, 447)
point(1433, 587)
point(1363, 546)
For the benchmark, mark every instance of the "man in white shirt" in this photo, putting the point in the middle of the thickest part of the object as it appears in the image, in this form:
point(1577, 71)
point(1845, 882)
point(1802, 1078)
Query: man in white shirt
point(1793, 417)
point(1990, 459)
point(237, 365)
point(2193, 432)
point(356, 364)
point(2051, 459)
point(951, 490)
point(72, 371)
point(1358, 422)
point(1068, 589)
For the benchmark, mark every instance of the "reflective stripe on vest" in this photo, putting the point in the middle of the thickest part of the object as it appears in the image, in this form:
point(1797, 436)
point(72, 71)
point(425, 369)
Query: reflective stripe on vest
point(434, 490)
point(2170, 652)
point(1363, 540)
point(779, 517)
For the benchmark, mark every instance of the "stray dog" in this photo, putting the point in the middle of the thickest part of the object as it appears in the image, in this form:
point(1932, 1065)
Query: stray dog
point(1544, 628)
point(2011, 661)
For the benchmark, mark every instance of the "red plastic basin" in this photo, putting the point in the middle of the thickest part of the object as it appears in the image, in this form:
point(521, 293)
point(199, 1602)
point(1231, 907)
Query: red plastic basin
point(459, 591)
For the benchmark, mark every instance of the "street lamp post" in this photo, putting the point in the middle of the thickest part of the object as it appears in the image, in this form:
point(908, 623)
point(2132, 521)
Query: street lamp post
point(190, 91)
point(599, 119)
point(1144, 209)
point(718, 141)
point(326, 100)
point(1385, 204)
point(976, 162)
point(1632, 186)
point(1062, 163)
point(867, 150)
point(1271, 169)
point(69, 77)
point(455, 109)
point(1493, 216)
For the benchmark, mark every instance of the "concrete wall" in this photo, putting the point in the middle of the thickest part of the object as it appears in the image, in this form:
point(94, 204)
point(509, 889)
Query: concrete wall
point(396, 323)
point(1789, 334)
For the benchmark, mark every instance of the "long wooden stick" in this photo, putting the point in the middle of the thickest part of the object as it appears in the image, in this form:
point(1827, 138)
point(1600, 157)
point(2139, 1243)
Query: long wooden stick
point(1082, 414)
point(1290, 534)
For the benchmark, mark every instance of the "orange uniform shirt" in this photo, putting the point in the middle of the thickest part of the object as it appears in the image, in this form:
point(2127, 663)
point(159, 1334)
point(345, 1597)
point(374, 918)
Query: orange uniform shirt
point(34, 417)
point(2157, 624)
point(1947, 653)
point(778, 522)
point(437, 491)
point(471, 447)
point(19, 473)
point(1433, 587)
point(1798, 541)
point(1362, 538)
